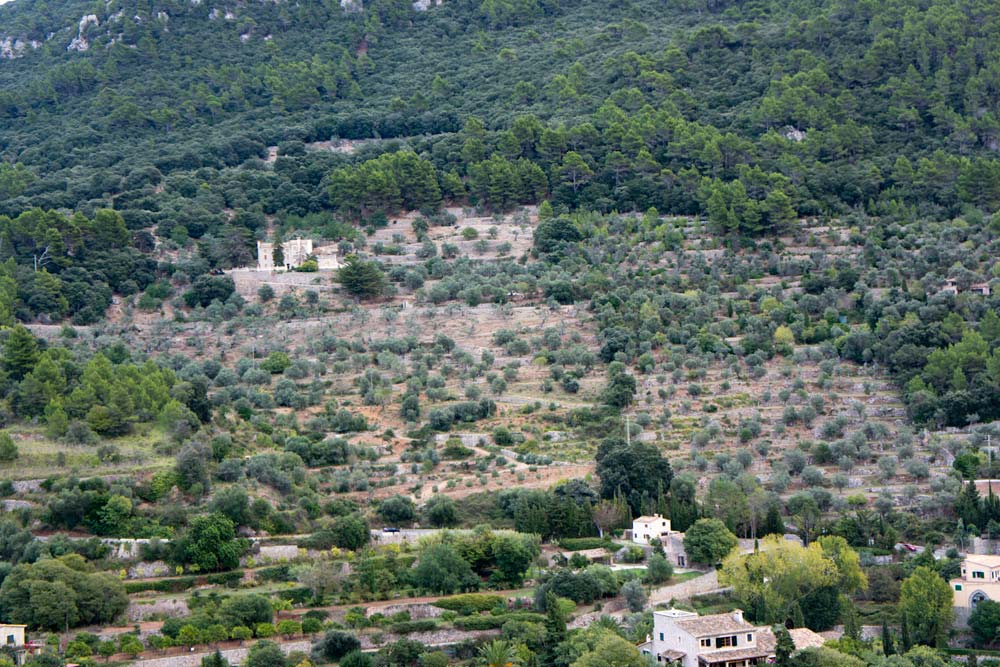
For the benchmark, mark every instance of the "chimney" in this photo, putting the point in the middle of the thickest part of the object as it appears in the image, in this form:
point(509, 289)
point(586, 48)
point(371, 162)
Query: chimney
point(738, 615)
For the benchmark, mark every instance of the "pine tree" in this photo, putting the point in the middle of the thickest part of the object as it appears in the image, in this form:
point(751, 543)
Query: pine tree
point(214, 660)
point(904, 636)
point(361, 278)
point(8, 449)
point(20, 353)
point(991, 508)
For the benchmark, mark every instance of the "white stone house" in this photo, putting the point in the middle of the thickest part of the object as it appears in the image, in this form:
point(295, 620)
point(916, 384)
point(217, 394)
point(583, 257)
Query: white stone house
point(647, 528)
point(720, 640)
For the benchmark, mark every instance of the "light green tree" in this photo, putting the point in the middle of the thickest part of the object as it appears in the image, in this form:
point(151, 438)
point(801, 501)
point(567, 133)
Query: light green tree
point(925, 605)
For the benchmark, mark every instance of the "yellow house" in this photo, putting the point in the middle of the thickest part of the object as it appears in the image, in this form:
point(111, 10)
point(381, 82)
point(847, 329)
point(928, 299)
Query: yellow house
point(979, 580)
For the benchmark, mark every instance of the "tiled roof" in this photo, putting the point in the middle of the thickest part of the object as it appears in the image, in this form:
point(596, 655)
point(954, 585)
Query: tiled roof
point(988, 561)
point(806, 638)
point(671, 654)
point(648, 519)
point(714, 624)
point(766, 640)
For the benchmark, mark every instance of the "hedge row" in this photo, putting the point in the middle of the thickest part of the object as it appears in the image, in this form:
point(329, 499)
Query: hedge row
point(406, 627)
point(493, 622)
point(474, 602)
point(177, 585)
point(583, 543)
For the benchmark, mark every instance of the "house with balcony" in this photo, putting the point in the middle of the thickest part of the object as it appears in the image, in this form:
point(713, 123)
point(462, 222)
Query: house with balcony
point(686, 639)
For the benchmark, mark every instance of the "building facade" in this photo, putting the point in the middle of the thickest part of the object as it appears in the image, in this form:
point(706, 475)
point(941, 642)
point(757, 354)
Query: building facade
point(12, 637)
point(647, 528)
point(295, 252)
point(685, 639)
point(979, 580)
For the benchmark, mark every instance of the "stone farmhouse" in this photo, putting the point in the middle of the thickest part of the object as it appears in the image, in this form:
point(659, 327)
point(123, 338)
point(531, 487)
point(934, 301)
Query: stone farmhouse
point(296, 252)
point(647, 528)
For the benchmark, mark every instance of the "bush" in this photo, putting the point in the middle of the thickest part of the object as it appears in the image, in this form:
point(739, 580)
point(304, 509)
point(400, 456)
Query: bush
point(397, 509)
point(178, 585)
point(356, 659)
point(472, 602)
point(406, 627)
point(471, 623)
point(584, 543)
point(334, 645)
point(246, 610)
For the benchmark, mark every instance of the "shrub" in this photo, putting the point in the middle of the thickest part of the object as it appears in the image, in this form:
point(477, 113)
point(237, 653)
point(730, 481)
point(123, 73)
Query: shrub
point(334, 645)
point(473, 602)
point(584, 543)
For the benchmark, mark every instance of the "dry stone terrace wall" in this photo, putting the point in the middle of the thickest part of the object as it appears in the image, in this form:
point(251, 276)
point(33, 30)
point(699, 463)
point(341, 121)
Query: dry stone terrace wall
point(238, 655)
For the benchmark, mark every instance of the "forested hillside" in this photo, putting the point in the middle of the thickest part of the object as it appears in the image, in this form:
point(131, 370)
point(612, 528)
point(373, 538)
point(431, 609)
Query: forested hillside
point(749, 112)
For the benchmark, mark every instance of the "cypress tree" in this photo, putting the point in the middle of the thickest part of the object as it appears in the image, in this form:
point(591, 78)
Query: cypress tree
point(796, 616)
point(784, 648)
point(852, 624)
point(888, 648)
point(555, 630)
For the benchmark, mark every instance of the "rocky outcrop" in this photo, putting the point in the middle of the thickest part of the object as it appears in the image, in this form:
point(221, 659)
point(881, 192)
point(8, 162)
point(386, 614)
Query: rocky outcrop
point(15, 47)
point(80, 42)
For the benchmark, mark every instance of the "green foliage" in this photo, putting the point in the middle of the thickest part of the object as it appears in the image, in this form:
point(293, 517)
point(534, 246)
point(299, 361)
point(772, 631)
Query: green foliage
point(442, 570)
point(708, 541)
point(266, 654)
point(397, 509)
point(52, 594)
point(611, 651)
point(8, 449)
point(925, 606)
point(473, 602)
point(245, 610)
point(334, 645)
point(350, 532)
point(441, 511)
point(985, 622)
point(210, 543)
point(362, 279)
point(636, 471)
point(385, 185)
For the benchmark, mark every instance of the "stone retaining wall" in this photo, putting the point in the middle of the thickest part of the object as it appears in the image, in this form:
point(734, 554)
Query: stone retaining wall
point(237, 655)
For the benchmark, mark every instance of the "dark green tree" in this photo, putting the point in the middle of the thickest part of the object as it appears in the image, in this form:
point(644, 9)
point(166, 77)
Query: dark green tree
point(708, 541)
point(210, 542)
point(20, 352)
point(362, 279)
